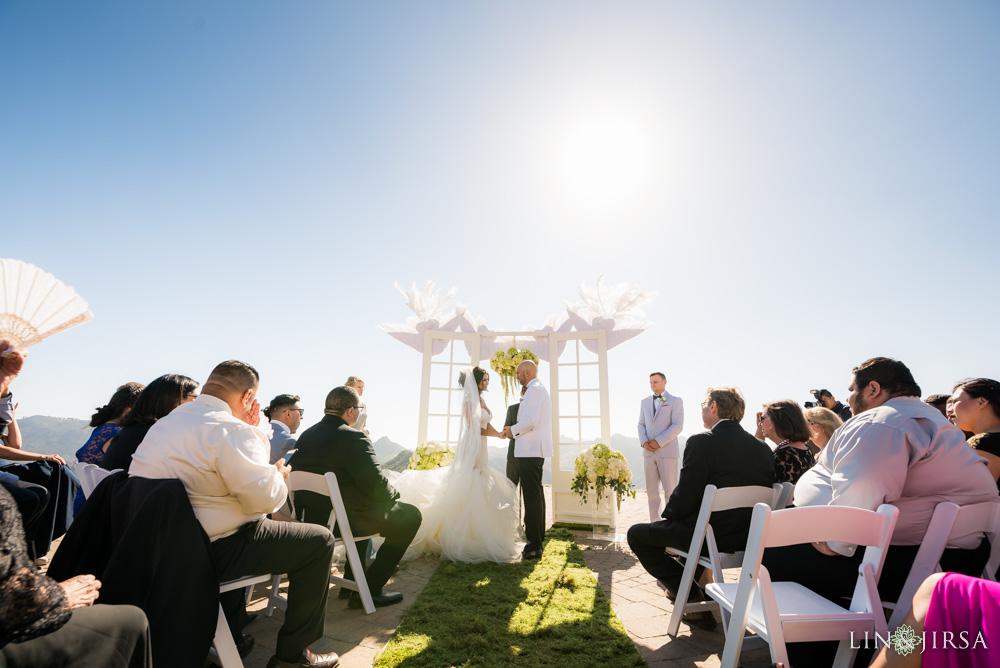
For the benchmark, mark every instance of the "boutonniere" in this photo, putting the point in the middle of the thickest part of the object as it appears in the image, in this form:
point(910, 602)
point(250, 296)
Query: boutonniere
point(663, 400)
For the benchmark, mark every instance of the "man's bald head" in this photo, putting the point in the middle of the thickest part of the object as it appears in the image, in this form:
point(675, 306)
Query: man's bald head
point(527, 371)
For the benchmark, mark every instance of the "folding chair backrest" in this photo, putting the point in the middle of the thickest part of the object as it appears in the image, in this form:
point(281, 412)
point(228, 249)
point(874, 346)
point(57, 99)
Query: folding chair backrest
point(974, 519)
point(729, 498)
point(301, 481)
point(90, 476)
point(831, 524)
point(787, 489)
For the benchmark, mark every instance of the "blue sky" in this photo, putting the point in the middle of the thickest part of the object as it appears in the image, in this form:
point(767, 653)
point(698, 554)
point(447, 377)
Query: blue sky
point(805, 185)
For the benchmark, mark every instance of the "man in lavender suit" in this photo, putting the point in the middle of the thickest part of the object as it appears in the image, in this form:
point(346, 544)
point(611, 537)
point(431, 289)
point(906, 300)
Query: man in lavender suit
point(661, 419)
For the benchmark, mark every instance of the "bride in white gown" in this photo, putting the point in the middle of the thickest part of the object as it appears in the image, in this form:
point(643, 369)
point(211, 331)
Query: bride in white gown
point(469, 510)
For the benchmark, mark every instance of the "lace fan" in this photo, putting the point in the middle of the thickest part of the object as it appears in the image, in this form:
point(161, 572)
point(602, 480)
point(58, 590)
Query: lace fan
point(34, 304)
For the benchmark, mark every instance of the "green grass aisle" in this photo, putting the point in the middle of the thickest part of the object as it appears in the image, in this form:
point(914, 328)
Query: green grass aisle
point(547, 612)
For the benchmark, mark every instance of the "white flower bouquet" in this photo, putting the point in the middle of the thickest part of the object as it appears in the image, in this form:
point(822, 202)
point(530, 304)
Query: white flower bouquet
point(431, 455)
point(600, 468)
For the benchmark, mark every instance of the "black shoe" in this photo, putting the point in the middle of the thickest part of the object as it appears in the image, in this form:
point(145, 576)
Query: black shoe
point(245, 645)
point(531, 554)
point(380, 600)
point(344, 593)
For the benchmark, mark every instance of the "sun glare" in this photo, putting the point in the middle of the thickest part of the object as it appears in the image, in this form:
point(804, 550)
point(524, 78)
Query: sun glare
point(604, 163)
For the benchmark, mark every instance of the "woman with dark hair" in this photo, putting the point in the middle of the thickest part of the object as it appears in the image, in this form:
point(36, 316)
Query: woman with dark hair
point(469, 510)
point(783, 423)
point(158, 398)
point(106, 427)
point(105, 422)
point(975, 407)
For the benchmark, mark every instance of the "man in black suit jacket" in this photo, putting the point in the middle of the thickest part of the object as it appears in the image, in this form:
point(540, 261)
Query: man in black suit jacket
point(371, 502)
point(725, 456)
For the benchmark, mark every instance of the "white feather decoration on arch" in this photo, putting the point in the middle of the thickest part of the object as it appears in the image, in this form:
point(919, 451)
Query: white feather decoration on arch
point(34, 304)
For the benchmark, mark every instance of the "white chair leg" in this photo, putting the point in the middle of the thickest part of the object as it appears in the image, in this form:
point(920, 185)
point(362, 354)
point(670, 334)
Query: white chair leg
point(845, 655)
point(275, 599)
point(225, 647)
point(359, 576)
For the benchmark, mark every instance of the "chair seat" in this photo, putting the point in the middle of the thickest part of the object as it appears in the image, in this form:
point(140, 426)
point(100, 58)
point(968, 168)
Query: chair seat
point(797, 607)
point(240, 583)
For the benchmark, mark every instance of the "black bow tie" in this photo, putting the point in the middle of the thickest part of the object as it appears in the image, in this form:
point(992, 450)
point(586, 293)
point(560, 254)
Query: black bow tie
point(657, 396)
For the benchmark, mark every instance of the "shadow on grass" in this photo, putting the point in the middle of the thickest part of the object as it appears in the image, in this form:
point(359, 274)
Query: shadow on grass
point(548, 612)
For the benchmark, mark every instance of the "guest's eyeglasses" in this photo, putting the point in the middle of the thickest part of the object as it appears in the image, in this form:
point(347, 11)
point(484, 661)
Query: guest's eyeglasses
point(301, 411)
point(358, 407)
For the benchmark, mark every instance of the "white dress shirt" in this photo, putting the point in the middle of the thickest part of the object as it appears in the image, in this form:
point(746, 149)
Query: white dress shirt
point(221, 460)
point(533, 431)
point(903, 452)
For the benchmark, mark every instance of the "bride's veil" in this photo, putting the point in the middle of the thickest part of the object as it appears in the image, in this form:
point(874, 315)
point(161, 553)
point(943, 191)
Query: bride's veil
point(469, 434)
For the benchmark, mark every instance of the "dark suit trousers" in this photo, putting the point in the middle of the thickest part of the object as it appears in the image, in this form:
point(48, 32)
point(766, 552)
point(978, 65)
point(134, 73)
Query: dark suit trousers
point(530, 472)
point(398, 528)
point(648, 542)
point(98, 636)
point(31, 500)
point(304, 552)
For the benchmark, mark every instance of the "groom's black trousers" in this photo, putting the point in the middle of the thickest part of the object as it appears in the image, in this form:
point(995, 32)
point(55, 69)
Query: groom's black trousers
point(530, 471)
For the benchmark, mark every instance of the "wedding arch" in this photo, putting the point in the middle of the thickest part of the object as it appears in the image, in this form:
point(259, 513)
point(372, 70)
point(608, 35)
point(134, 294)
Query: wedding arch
point(574, 344)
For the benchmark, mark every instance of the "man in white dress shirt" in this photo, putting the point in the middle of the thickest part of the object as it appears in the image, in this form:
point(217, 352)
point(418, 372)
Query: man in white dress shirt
point(661, 419)
point(532, 434)
point(212, 445)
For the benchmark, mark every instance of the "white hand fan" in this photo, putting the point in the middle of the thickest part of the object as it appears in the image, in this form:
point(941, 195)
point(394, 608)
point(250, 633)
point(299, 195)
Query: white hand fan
point(34, 304)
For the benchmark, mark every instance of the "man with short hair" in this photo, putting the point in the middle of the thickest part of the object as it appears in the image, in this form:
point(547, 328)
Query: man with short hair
point(827, 399)
point(285, 415)
point(899, 450)
point(372, 503)
point(532, 434)
point(725, 456)
point(661, 419)
point(212, 445)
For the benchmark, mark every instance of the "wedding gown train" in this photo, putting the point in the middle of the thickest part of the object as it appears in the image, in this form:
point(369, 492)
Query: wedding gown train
point(469, 510)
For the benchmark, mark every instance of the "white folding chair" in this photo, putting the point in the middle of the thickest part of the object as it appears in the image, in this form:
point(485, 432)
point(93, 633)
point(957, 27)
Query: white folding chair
point(787, 489)
point(90, 476)
point(223, 651)
point(300, 481)
point(950, 522)
point(783, 612)
point(713, 500)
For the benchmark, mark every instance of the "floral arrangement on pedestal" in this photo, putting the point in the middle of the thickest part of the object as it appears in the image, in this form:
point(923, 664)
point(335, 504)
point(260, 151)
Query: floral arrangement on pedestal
point(505, 362)
point(599, 468)
point(431, 455)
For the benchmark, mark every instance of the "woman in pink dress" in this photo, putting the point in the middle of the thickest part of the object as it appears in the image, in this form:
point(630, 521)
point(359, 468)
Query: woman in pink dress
point(956, 619)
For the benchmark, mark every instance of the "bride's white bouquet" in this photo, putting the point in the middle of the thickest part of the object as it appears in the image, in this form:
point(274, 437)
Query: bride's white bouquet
point(431, 455)
point(599, 468)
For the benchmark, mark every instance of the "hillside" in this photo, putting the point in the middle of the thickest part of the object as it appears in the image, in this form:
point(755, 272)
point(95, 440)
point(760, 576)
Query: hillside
point(52, 435)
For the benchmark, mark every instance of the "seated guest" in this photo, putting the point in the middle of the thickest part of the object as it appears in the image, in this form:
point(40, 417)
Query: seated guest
point(783, 423)
point(212, 445)
point(724, 456)
point(359, 386)
point(975, 405)
point(938, 401)
point(105, 425)
point(822, 423)
point(372, 503)
point(49, 624)
point(105, 422)
point(43, 487)
point(285, 415)
point(896, 449)
point(158, 398)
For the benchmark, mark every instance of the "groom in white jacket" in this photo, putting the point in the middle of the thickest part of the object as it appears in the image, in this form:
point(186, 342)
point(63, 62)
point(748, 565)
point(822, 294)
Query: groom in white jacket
point(532, 436)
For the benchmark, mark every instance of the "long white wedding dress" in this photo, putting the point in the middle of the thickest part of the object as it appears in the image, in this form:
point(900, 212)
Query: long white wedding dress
point(469, 510)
